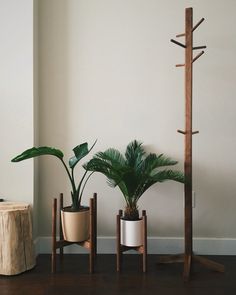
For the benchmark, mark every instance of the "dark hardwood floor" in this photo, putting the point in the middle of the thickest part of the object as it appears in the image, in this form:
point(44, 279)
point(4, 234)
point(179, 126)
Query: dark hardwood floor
point(72, 277)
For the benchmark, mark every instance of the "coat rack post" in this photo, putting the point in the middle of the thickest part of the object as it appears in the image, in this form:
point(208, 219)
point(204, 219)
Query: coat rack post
point(188, 142)
point(188, 257)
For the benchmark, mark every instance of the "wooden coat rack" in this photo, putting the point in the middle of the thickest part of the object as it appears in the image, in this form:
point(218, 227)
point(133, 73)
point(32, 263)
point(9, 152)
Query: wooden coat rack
point(90, 244)
point(188, 257)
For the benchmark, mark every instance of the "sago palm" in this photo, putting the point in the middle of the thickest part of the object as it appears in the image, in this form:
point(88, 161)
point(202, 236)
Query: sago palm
point(133, 173)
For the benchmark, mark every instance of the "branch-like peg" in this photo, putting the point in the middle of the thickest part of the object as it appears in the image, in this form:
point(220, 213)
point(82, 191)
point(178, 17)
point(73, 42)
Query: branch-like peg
point(199, 47)
point(177, 43)
point(180, 35)
point(198, 24)
point(182, 132)
point(197, 56)
point(180, 65)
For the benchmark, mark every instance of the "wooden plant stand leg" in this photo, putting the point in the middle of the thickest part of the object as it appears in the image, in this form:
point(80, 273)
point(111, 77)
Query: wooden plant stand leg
point(95, 225)
point(60, 225)
point(144, 217)
point(118, 242)
point(54, 230)
point(91, 245)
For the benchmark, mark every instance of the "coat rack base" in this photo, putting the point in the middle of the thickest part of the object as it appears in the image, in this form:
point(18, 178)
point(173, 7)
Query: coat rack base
point(188, 260)
point(122, 248)
point(90, 243)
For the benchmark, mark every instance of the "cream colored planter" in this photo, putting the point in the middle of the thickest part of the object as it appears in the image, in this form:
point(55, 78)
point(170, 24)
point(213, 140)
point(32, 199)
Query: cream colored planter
point(75, 225)
point(131, 232)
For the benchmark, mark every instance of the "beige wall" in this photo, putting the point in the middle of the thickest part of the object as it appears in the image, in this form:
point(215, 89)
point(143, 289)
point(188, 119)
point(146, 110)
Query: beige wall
point(106, 72)
point(17, 99)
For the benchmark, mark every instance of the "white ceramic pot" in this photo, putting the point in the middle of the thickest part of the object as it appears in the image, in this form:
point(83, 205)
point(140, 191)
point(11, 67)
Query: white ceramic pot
point(75, 225)
point(131, 232)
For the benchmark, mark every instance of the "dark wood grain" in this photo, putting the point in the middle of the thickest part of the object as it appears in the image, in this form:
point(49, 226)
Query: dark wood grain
point(73, 277)
point(188, 138)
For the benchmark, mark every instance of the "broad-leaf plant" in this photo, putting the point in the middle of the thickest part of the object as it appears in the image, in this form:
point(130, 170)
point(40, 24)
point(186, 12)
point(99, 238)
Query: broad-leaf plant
point(80, 151)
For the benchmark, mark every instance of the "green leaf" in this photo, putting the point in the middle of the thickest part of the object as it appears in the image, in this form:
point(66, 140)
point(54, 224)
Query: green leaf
point(134, 153)
point(36, 152)
point(80, 152)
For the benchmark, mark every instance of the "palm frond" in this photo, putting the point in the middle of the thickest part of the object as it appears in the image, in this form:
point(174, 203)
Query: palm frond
point(134, 153)
point(135, 172)
point(164, 175)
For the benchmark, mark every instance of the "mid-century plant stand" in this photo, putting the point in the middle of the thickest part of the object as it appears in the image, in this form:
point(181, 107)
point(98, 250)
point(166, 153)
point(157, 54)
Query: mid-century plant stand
point(90, 244)
point(121, 248)
point(188, 257)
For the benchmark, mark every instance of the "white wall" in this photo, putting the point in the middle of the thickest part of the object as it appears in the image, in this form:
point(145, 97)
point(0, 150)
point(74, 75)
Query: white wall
point(106, 71)
point(16, 94)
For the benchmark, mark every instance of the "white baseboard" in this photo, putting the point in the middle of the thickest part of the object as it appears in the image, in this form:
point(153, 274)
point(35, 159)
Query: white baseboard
point(156, 245)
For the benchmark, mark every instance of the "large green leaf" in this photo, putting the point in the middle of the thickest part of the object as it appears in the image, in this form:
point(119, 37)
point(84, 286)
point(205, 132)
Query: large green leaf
point(80, 151)
point(39, 151)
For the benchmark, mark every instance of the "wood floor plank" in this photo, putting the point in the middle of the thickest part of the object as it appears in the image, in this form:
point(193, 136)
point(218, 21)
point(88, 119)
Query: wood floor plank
point(73, 277)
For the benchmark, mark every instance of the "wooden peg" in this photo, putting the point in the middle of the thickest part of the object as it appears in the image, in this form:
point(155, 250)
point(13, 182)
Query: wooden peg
point(180, 65)
point(180, 35)
point(182, 132)
point(177, 43)
point(195, 132)
point(198, 24)
point(197, 56)
point(199, 47)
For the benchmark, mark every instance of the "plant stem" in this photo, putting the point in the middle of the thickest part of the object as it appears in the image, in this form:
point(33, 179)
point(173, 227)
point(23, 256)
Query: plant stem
point(70, 177)
point(84, 185)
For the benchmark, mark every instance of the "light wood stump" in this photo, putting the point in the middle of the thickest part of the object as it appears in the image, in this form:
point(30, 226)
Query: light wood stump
point(16, 242)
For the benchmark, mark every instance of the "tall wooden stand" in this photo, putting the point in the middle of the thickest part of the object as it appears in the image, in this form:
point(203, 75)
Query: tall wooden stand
point(121, 248)
point(90, 244)
point(188, 256)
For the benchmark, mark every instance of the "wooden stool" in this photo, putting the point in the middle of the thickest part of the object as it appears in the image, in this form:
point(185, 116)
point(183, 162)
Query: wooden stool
point(16, 242)
point(121, 248)
point(90, 244)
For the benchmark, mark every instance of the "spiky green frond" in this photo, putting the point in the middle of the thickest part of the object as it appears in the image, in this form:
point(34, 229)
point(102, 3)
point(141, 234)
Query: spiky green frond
point(135, 173)
point(113, 157)
point(134, 153)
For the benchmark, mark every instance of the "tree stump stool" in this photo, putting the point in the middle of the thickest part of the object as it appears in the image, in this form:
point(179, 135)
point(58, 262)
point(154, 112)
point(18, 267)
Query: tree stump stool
point(16, 242)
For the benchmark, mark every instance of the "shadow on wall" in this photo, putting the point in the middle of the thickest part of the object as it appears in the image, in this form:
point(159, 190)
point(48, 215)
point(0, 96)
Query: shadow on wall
point(53, 98)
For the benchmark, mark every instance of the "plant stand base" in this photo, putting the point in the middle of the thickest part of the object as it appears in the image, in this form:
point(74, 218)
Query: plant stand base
point(121, 248)
point(90, 243)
